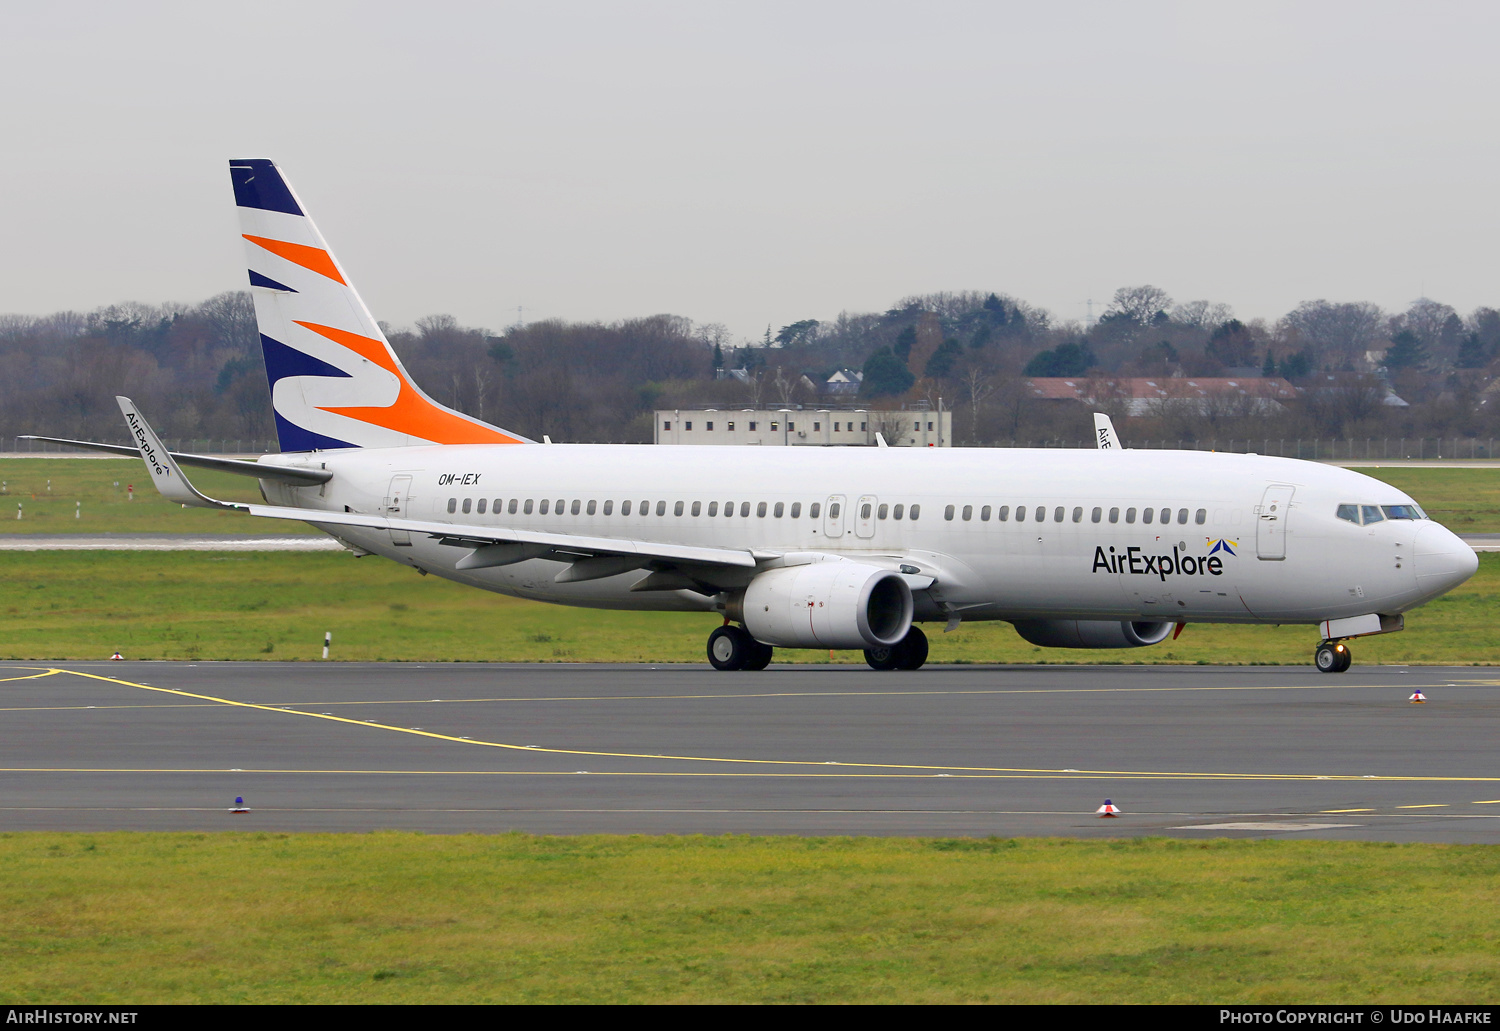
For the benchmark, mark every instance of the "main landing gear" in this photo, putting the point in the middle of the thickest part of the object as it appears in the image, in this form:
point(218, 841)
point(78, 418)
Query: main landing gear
point(1332, 657)
point(731, 648)
point(909, 653)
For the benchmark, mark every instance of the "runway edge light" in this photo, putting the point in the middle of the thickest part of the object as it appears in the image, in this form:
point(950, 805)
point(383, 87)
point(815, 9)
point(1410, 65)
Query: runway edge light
point(1107, 810)
point(1417, 697)
point(117, 657)
point(239, 806)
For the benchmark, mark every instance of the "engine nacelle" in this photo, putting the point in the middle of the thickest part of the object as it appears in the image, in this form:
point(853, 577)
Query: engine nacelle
point(1090, 633)
point(832, 604)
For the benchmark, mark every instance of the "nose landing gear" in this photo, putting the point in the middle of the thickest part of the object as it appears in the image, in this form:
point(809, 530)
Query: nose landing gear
point(1332, 657)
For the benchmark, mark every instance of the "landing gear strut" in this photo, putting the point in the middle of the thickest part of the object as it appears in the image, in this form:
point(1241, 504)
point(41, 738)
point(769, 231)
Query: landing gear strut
point(1332, 657)
point(908, 653)
point(731, 648)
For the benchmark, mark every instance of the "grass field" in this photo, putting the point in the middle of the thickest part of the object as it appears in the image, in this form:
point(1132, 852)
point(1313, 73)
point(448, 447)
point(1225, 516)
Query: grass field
point(51, 490)
point(1464, 500)
point(404, 918)
point(276, 605)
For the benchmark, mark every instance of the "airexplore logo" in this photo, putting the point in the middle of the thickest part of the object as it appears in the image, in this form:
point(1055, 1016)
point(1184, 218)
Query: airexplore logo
point(1136, 562)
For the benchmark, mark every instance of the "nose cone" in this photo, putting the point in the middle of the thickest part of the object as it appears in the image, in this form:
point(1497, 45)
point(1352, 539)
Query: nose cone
point(1442, 560)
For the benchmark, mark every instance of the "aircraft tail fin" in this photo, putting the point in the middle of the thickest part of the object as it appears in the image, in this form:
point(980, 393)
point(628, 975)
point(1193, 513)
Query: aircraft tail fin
point(335, 382)
point(1104, 432)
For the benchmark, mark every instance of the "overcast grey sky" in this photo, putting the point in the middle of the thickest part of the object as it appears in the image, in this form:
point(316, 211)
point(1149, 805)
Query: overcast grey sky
point(761, 162)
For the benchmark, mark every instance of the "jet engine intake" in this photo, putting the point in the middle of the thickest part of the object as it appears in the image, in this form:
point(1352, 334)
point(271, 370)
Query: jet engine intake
point(832, 604)
point(1090, 633)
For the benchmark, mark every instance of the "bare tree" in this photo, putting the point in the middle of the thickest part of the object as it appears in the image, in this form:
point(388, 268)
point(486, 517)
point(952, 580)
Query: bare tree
point(1140, 303)
point(1205, 315)
point(1345, 330)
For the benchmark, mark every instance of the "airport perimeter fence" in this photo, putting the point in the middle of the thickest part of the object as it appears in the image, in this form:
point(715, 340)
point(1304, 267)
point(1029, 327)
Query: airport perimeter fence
point(1369, 449)
point(1324, 449)
point(197, 447)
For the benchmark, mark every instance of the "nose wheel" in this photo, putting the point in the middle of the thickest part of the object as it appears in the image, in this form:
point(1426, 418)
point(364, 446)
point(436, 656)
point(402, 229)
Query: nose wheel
point(1332, 657)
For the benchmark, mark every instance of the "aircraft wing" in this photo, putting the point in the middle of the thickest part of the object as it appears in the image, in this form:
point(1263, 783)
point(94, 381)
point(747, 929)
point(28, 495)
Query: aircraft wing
point(592, 557)
point(302, 477)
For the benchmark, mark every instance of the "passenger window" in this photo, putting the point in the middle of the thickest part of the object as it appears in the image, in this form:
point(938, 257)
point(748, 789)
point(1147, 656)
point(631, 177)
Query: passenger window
point(760, 510)
point(468, 503)
point(452, 505)
point(676, 509)
point(1166, 516)
point(883, 511)
point(661, 508)
point(1114, 515)
point(609, 507)
point(899, 511)
point(576, 506)
point(1182, 515)
point(915, 511)
point(864, 510)
point(624, 508)
point(745, 510)
point(713, 508)
point(560, 509)
point(495, 508)
point(512, 508)
point(481, 505)
point(947, 512)
point(796, 509)
point(1020, 513)
point(984, 514)
point(528, 506)
point(1372, 514)
point(545, 505)
point(1201, 516)
point(1040, 514)
point(1078, 514)
point(1097, 514)
point(1057, 514)
point(728, 509)
point(814, 509)
point(779, 510)
point(645, 508)
point(593, 507)
point(834, 509)
point(1146, 516)
point(697, 508)
point(1003, 513)
point(1130, 515)
point(968, 512)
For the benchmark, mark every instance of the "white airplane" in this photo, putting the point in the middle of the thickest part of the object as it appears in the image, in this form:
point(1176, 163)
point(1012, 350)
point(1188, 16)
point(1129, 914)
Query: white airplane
point(794, 547)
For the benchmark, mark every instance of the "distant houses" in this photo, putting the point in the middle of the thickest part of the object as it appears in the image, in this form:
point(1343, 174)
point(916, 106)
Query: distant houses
point(1152, 395)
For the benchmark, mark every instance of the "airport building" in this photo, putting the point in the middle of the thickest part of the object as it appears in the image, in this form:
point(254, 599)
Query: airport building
point(849, 427)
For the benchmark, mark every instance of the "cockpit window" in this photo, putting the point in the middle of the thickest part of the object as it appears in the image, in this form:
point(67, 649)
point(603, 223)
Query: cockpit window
point(1403, 512)
point(1349, 512)
point(1372, 515)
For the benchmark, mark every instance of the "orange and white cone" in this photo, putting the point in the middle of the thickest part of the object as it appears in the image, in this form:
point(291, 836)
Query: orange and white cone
point(1107, 810)
point(1417, 697)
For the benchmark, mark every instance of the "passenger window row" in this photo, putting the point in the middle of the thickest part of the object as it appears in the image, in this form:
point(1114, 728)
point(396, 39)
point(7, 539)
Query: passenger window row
point(517, 506)
point(1061, 514)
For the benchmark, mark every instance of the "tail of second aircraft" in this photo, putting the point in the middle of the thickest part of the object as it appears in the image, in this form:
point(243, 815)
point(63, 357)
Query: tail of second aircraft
point(335, 382)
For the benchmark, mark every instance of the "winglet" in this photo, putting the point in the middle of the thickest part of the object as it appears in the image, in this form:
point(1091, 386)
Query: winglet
point(1104, 430)
point(164, 470)
point(880, 440)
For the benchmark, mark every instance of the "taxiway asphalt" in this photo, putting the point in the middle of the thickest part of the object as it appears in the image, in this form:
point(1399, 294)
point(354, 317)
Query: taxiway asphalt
point(948, 750)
